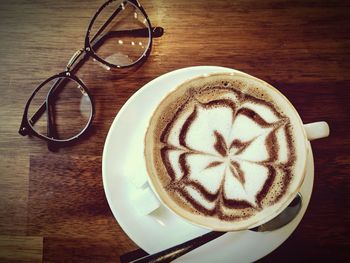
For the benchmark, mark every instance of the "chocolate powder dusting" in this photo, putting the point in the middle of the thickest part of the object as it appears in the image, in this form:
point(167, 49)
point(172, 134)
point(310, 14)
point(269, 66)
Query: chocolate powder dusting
point(183, 164)
point(241, 146)
point(268, 183)
point(185, 127)
point(198, 208)
point(213, 164)
point(164, 152)
point(237, 204)
point(204, 192)
point(218, 103)
point(220, 145)
point(290, 143)
point(272, 146)
point(165, 132)
point(253, 116)
point(237, 172)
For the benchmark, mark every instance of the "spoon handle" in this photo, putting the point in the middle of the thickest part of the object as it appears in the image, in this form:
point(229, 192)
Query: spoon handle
point(177, 251)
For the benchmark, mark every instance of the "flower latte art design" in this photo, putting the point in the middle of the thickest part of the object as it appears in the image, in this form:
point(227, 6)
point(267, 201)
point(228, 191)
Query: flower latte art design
point(223, 152)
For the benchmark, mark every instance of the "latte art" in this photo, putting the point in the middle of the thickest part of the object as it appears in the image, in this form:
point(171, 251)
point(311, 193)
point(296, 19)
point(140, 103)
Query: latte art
point(221, 149)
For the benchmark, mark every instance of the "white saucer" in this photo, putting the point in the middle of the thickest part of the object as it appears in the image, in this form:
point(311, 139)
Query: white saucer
point(123, 159)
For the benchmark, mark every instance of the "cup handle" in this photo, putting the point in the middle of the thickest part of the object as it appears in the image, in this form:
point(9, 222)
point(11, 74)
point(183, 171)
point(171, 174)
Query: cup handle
point(144, 200)
point(142, 196)
point(316, 130)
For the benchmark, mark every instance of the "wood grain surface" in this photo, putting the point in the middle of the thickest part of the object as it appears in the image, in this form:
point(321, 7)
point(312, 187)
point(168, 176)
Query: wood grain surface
point(52, 205)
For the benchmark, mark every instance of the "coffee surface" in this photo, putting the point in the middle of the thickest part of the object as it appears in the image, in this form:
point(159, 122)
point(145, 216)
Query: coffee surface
point(219, 147)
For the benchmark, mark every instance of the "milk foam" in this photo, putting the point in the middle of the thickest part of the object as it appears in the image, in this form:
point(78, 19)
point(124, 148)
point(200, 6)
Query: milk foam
point(200, 139)
point(209, 178)
point(174, 156)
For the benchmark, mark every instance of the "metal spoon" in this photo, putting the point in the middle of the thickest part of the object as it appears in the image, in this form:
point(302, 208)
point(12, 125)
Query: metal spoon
point(170, 254)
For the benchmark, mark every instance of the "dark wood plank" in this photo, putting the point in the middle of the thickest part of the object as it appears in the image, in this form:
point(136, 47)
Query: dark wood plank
point(69, 200)
point(15, 249)
point(14, 171)
point(90, 249)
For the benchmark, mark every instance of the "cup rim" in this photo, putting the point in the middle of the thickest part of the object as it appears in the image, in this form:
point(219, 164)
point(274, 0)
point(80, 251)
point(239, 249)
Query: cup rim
point(282, 206)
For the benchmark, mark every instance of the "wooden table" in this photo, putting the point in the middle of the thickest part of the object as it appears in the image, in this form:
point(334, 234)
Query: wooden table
point(52, 205)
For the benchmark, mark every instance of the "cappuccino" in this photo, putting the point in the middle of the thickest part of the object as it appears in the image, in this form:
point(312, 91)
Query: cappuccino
point(222, 152)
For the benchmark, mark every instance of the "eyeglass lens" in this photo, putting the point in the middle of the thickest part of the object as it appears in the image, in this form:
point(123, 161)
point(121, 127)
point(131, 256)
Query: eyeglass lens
point(125, 39)
point(70, 109)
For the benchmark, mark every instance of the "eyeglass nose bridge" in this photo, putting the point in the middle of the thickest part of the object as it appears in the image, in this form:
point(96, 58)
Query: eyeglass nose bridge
point(74, 58)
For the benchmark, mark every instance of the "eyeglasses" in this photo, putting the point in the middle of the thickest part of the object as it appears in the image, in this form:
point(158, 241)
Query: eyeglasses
point(118, 36)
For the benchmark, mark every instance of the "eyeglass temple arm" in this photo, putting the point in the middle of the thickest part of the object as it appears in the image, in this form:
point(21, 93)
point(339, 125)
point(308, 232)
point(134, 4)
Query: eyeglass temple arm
point(53, 91)
point(51, 127)
point(109, 20)
point(156, 32)
point(140, 32)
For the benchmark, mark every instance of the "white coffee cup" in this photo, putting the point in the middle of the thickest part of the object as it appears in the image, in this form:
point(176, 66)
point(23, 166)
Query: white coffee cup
point(147, 200)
